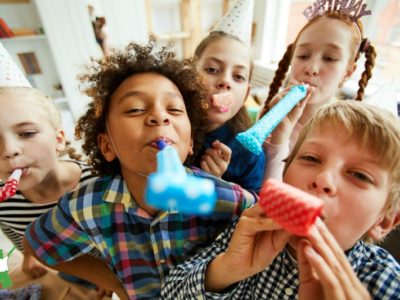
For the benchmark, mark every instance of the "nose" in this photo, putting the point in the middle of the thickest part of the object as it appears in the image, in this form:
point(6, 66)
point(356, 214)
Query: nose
point(159, 118)
point(312, 68)
point(324, 183)
point(10, 150)
point(223, 82)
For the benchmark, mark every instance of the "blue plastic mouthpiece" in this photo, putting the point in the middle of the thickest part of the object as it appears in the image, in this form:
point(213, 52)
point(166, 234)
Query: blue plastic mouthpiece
point(254, 137)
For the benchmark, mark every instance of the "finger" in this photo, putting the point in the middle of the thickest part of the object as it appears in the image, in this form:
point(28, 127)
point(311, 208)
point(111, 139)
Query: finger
point(252, 225)
point(278, 97)
point(204, 165)
point(225, 151)
point(293, 82)
point(333, 255)
point(306, 273)
point(256, 211)
point(211, 166)
point(332, 287)
point(217, 156)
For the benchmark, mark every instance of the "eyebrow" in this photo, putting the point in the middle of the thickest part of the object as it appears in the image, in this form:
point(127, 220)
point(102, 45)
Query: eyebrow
point(371, 160)
point(329, 44)
point(223, 63)
point(140, 93)
point(25, 124)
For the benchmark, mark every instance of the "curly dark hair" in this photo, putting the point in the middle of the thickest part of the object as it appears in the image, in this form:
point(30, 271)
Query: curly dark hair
point(105, 75)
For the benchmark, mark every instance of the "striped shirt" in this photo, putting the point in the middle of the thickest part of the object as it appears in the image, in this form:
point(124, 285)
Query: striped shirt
point(17, 212)
point(139, 248)
point(374, 266)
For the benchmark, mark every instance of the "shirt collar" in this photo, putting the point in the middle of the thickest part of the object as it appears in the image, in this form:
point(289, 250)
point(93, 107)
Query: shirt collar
point(117, 192)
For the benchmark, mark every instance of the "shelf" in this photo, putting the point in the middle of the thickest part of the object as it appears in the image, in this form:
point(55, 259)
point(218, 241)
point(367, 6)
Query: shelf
point(23, 38)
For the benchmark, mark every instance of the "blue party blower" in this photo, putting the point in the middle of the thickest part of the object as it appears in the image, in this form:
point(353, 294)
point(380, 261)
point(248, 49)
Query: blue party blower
point(172, 189)
point(254, 137)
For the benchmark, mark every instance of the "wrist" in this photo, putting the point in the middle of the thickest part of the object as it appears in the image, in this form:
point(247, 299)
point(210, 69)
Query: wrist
point(220, 275)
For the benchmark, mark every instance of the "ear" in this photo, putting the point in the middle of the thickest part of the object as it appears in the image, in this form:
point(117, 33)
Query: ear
point(191, 148)
point(60, 141)
point(106, 147)
point(383, 226)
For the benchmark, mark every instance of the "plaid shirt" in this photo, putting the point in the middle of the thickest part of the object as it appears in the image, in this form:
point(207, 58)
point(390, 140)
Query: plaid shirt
point(138, 247)
point(375, 268)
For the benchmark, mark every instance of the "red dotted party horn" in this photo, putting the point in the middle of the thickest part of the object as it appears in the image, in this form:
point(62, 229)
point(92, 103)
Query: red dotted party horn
point(293, 209)
point(10, 187)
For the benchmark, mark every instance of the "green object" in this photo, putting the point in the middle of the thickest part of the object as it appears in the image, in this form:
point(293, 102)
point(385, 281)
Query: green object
point(253, 112)
point(5, 280)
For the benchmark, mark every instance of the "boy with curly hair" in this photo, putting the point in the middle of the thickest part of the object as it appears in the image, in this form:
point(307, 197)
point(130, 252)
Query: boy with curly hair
point(139, 96)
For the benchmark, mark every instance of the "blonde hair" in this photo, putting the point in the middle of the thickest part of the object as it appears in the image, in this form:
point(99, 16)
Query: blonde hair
point(375, 129)
point(53, 115)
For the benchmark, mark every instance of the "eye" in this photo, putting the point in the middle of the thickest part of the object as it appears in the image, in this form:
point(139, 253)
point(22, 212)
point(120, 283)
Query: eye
point(302, 56)
point(240, 78)
point(361, 176)
point(330, 59)
point(176, 111)
point(310, 158)
point(134, 111)
point(211, 70)
point(28, 134)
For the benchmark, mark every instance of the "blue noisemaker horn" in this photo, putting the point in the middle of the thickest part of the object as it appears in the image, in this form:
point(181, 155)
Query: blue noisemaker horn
point(172, 189)
point(254, 137)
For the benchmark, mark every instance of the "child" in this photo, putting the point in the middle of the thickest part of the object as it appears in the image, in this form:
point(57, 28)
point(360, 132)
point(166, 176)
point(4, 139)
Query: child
point(348, 154)
point(32, 139)
point(140, 96)
point(324, 56)
point(224, 60)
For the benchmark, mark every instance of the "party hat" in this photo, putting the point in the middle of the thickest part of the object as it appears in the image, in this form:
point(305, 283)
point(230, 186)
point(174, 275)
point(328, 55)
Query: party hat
point(10, 74)
point(238, 21)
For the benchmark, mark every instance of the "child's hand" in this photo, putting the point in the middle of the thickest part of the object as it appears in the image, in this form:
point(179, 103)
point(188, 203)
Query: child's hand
point(32, 267)
point(324, 270)
point(283, 131)
point(216, 159)
point(254, 244)
point(101, 293)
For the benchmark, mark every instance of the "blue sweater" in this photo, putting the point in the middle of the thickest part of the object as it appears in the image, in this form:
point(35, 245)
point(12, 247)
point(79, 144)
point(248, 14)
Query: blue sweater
point(245, 168)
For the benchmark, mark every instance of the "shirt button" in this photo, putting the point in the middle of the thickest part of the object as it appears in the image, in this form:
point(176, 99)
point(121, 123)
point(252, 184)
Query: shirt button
point(162, 261)
point(289, 291)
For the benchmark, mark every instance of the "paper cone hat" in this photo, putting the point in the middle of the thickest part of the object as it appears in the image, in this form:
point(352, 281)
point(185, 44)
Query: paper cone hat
point(10, 74)
point(238, 21)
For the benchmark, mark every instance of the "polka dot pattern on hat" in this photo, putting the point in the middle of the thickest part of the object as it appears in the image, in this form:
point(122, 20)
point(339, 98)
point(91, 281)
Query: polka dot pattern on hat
point(10, 74)
point(238, 21)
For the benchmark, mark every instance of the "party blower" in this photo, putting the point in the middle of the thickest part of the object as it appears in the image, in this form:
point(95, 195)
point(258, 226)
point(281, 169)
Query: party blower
point(172, 189)
point(292, 208)
point(254, 137)
point(10, 187)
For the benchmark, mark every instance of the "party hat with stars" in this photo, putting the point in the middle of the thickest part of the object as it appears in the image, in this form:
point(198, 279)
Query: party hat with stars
point(10, 74)
point(238, 21)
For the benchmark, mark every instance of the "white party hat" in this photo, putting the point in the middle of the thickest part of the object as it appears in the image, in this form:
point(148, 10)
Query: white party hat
point(238, 21)
point(10, 74)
